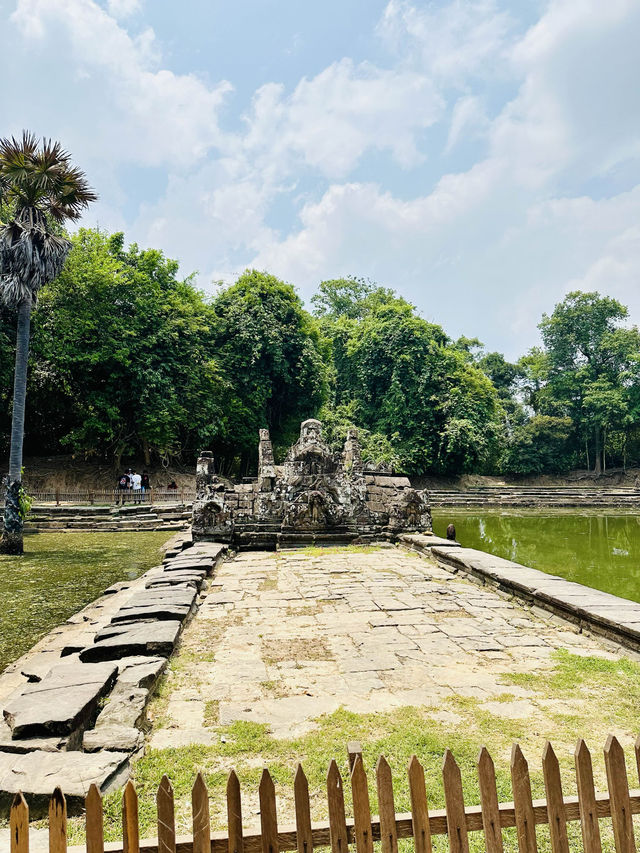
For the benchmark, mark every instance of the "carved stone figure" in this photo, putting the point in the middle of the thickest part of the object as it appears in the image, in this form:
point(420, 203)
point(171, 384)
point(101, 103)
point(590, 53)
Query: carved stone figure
point(316, 495)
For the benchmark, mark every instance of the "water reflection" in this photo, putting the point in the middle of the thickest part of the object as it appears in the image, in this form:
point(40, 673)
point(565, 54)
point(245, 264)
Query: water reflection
point(596, 549)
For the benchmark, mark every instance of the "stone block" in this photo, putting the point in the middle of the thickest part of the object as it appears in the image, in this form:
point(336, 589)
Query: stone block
point(37, 774)
point(125, 707)
point(144, 638)
point(63, 701)
point(152, 611)
point(140, 671)
point(120, 738)
point(189, 577)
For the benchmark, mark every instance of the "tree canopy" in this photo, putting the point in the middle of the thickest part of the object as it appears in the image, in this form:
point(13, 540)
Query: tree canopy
point(130, 360)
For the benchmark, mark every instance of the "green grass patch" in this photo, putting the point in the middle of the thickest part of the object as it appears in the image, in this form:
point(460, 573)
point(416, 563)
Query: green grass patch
point(321, 551)
point(212, 713)
point(589, 683)
point(59, 574)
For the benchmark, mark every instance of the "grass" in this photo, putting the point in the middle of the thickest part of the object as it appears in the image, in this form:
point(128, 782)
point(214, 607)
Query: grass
point(599, 695)
point(321, 551)
point(212, 713)
point(299, 649)
point(59, 574)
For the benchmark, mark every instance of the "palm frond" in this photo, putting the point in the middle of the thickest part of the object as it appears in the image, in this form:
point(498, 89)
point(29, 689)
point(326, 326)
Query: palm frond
point(40, 184)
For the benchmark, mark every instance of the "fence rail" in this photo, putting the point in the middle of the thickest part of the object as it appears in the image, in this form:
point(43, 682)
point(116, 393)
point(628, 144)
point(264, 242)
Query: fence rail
point(113, 496)
point(455, 821)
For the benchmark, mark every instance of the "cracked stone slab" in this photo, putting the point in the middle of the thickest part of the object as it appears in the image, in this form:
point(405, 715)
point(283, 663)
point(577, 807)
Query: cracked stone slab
point(178, 596)
point(152, 611)
point(140, 671)
point(125, 707)
point(37, 774)
point(143, 638)
point(190, 577)
point(65, 699)
point(120, 738)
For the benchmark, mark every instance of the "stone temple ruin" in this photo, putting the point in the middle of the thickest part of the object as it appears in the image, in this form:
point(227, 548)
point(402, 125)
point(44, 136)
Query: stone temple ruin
point(316, 496)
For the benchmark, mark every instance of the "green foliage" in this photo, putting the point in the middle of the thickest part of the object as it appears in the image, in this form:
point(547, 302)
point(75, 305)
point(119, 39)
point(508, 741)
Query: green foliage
point(407, 381)
point(123, 355)
point(540, 445)
point(25, 501)
point(271, 351)
point(588, 372)
point(129, 360)
point(376, 447)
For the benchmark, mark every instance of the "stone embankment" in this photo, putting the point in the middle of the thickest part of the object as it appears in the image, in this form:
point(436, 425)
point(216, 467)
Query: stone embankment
point(529, 496)
point(607, 615)
point(73, 708)
point(104, 519)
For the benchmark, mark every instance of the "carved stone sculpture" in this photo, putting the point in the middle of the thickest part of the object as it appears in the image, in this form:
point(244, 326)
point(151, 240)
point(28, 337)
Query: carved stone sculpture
point(316, 495)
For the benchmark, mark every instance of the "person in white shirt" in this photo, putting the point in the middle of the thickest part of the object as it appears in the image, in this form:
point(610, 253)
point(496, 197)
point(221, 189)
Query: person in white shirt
point(136, 483)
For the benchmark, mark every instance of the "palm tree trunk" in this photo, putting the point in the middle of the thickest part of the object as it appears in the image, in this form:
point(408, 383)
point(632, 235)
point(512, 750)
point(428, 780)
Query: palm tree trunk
point(11, 542)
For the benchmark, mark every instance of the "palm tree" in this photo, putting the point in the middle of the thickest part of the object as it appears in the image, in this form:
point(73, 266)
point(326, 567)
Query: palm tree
point(40, 188)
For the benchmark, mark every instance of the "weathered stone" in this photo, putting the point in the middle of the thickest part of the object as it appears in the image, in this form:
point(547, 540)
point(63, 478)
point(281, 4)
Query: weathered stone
point(37, 774)
point(56, 743)
point(65, 699)
point(190, 577)
point(152, 611)
point(144, 638)
point(140, 671)
point(125, 707)
point(316, 496)
point(178, 595)
point(120, 738)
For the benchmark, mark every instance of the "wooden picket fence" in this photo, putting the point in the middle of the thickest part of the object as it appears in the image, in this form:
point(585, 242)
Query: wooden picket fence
point(455, 821)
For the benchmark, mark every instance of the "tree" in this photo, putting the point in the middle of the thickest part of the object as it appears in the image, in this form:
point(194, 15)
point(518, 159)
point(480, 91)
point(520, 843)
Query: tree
point(271, 354)
point(589, 370)
point(408, 382)
point(41, 189)
point(540, 445)
point(125, 358)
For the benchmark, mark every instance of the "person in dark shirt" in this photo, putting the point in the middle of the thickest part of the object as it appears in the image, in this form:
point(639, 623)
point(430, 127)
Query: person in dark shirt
point(122, 487)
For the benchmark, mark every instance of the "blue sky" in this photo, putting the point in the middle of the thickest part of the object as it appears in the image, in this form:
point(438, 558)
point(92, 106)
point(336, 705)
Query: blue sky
point(481, 157)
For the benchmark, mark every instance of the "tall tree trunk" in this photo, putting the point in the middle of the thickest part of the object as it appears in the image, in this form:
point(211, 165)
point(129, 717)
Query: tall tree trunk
point(146, 451)
point(598, 455)
point(11, 542)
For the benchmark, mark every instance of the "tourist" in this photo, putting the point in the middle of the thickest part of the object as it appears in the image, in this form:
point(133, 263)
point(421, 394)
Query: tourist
point(122, 487)
point(173, 486)
point(146, 485)
point(136, 485)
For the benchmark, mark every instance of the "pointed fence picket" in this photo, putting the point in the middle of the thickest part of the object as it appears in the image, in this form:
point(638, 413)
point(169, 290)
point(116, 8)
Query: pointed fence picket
point(358, 835)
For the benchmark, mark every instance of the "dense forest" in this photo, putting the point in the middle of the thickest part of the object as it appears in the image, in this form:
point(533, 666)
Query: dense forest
point(128, 361)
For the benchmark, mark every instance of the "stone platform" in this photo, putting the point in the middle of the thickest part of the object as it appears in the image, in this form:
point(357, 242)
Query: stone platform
point(73, 708)
point(615, 618)
point(297, 634)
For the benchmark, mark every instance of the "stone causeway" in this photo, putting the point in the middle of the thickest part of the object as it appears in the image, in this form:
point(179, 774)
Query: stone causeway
point(73, 708)
point(295, 634)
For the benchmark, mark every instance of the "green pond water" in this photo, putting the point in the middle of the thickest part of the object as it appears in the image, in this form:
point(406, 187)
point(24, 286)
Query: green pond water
point(59, 574)
point(601, 550)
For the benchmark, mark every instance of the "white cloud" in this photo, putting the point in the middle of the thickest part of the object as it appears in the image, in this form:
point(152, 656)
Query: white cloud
point(539, 192)
point(468, 118)
point(124, 8)
point(136, 111)
point(332, 119)
point(452, 40)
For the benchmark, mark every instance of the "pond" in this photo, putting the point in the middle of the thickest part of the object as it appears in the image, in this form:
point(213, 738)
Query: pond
point(59, 574)
point(595, 548)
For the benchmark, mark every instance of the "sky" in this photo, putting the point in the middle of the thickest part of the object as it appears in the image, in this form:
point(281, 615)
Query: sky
point(481, 157)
